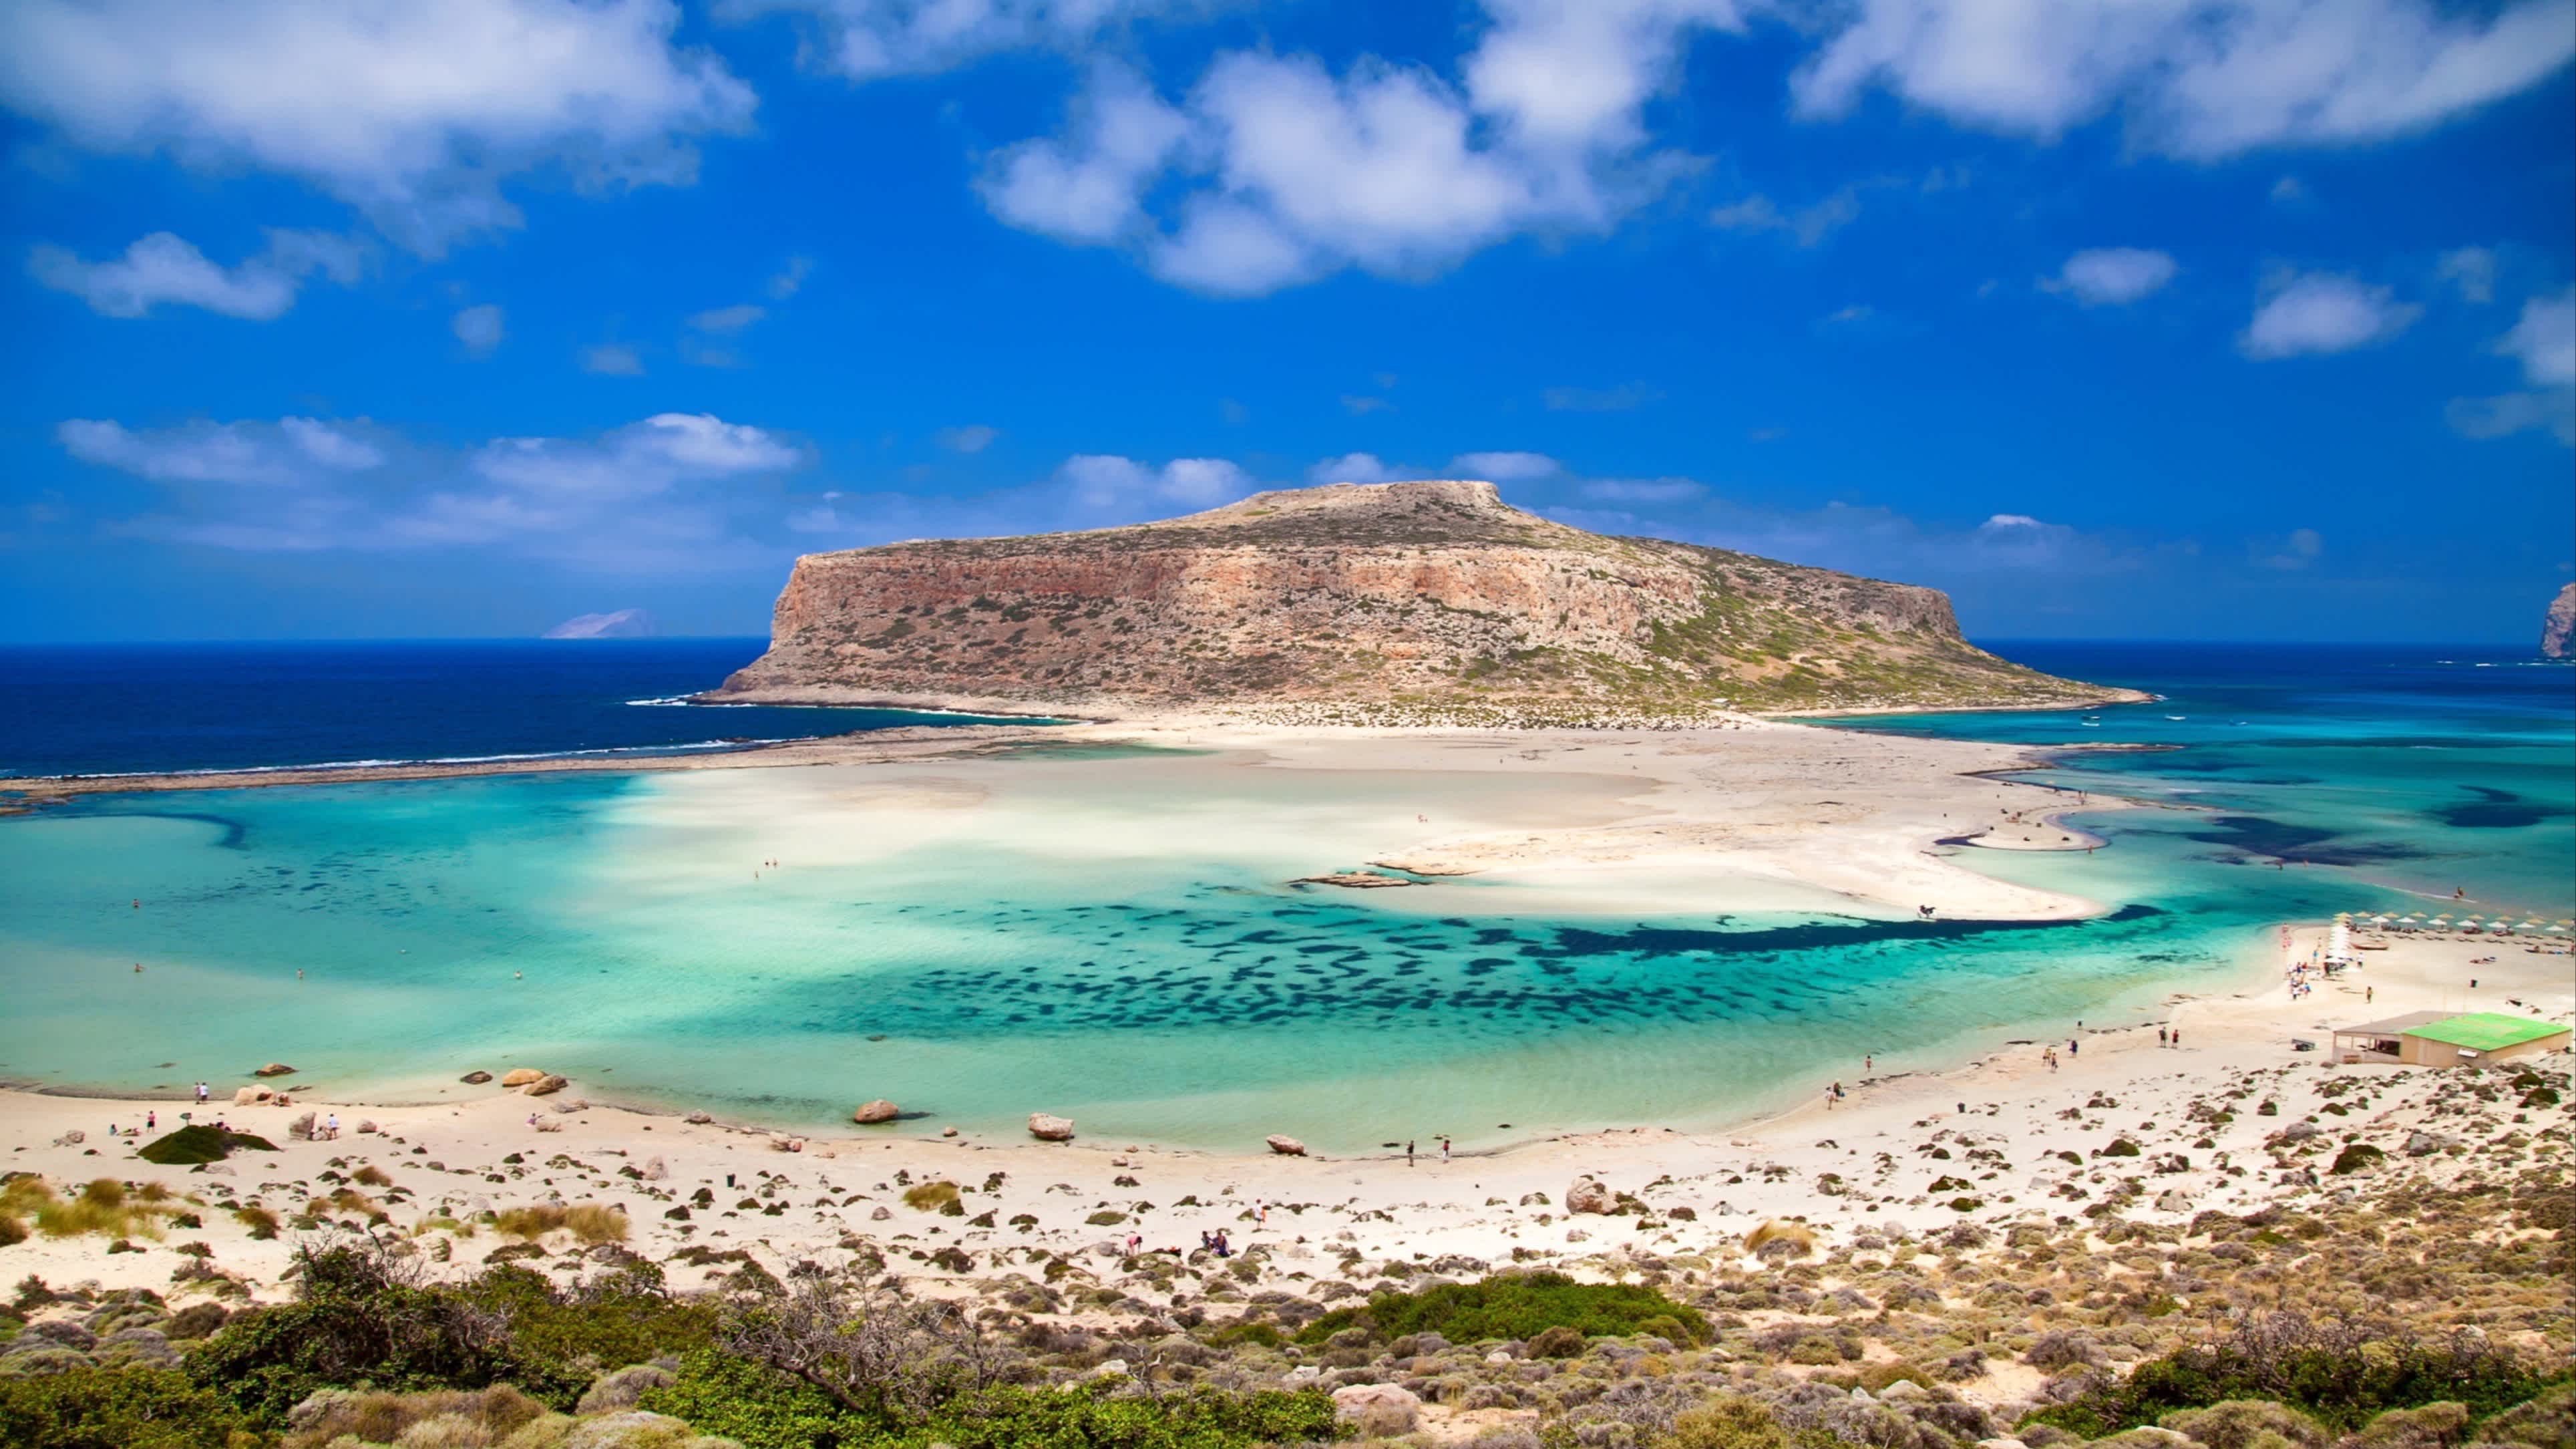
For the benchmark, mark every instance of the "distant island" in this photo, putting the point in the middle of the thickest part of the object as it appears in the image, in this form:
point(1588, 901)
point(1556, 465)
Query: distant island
point(2558, 626)
point(624, 624)
point(1430, 602)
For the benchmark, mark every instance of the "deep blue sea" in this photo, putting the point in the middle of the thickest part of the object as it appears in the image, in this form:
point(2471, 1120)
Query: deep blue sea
point(148, 708)
point(1112, 934)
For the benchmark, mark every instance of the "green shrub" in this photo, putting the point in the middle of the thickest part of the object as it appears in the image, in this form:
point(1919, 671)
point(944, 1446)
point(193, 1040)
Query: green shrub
point(930, 1197)
point(2356, 1157)
point(2547, 1422)
point(2335, 1375)
point(568, 1338)
point(1515, 1305)
point(1728, 1421)
point(92, 1408)
point(2244, 1423)
point(199, 1144)
point(736, 1399)
point(12, 1231)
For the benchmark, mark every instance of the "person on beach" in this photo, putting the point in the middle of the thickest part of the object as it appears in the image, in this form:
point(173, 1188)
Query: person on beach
point(1260, 1215)
point(1865, 1061)
point(2177, 1036)
point(201, 1094)
point(2074, 1047)
point(151, 1121)
point(1408, 1153)
point(1444, 1142)
point(2160, 1036)
point(334, 1125)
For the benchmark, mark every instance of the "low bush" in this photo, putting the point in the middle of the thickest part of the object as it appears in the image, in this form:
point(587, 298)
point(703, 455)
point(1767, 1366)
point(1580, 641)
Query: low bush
point(92, 1408)
point(486, 1416)
point(196, 1145)
point(739, 1400)
point(2342, 1375)
point(931, 1197)
point(1516, 1305)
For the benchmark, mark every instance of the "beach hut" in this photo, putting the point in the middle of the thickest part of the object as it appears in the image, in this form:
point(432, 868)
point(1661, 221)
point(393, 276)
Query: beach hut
point(2444, 1039)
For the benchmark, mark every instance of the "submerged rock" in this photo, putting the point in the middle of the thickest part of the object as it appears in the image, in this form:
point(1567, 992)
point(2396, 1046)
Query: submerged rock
point(275, 1069)
point(879, 1110)
point(475, 1079)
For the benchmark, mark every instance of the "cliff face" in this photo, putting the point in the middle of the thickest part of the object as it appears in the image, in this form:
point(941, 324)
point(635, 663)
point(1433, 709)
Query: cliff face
point(2558, 627)
point(1405, 595)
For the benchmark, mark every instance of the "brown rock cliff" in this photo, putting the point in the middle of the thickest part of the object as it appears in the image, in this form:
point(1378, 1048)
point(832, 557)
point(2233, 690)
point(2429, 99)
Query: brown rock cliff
point(1404, 596)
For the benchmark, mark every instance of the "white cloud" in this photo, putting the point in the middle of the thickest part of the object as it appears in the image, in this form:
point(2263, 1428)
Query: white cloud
point(2545, 340)
point(1504, 467)
point(1808, 225)
point(866, 39)
point(2193, 78)
point(1087, 188)
point(1857, 312)
point(479, 328)
point(1626, 397)
point(2301, 549)
point(1102, 480)
point(2472, 270)
point(415, 114)
point(657, 496)
point(1643, 490)
point(2321, 313)
point(2486, 418)
point(1274, 170)
point(973, 438)
point(1357, 468)
point(728, 319)
point(2113, 276)
point(165, 268)
point(290, 450)
point(613, 360)
point(788, 279)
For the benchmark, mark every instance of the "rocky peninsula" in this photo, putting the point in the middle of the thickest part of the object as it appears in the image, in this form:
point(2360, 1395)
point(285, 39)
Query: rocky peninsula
point(1432, 602)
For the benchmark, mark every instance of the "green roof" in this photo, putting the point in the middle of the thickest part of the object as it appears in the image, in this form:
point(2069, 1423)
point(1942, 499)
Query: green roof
point(2486, 1031)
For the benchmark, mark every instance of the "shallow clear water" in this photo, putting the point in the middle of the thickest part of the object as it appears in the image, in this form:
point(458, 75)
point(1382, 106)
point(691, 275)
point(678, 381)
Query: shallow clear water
point(1137, 965)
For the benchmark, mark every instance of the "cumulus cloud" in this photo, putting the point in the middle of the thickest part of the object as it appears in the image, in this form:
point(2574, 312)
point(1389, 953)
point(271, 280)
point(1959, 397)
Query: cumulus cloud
point(867, 39)
point(973, 438)
point(1275, 170)
point(727, 319)
point(165, 268)
point(2112, 276)
point(2543, 341)
point(479, 328)
point(2472, 270)
point(1108, 481)
point(290, 450)
point(1626, 397)
point(1504, 467)
point(654, 496)
point(613, 360)
point(1807, 225)
point(2319, 313)
point(415, 114)
point(2194, 78)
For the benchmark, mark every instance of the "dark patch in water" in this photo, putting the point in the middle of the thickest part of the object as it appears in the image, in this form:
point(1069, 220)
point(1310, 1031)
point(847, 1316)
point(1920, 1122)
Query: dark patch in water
point(2268, 839)
point(2496, 810)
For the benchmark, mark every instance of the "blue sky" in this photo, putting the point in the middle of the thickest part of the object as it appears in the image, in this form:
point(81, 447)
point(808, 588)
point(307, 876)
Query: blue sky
point(2164, 318)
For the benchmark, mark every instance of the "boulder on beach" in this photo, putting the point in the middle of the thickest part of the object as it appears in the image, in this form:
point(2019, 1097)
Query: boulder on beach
point(1589, 1196)
point(546, 1085)
point(698, 1119)
point(1286, 1146)
point(1047, 1127)
point(475, 1079)
point(879, 1110)
point(248, 1096)
point(274, 1069)
point(521, 1076)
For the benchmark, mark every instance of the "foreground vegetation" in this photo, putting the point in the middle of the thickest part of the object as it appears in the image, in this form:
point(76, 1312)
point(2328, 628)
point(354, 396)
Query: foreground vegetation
point(2416, 1300)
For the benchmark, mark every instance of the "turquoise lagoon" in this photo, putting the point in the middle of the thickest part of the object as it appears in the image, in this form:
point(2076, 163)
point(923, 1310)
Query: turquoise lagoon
point(1139, 964)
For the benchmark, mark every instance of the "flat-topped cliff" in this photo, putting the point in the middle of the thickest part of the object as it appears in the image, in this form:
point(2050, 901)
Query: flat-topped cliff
point(1433, 595)
point(2558, 626)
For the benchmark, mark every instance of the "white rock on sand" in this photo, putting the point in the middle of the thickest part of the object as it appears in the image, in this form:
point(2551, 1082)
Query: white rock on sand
point(1047, 1127)
point(521, 1076)
point(1286, 1146)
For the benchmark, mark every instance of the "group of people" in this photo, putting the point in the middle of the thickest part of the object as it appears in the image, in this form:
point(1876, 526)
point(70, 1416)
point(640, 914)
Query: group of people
point(1408, 1151)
